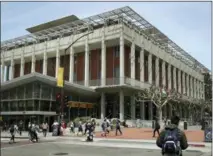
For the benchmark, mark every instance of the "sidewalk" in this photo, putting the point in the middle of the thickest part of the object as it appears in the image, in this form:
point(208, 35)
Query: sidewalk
point(147, 133)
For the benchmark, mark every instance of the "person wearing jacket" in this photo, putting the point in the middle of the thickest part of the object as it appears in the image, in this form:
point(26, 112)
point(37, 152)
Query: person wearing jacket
point(180, 134)
point(157, 128)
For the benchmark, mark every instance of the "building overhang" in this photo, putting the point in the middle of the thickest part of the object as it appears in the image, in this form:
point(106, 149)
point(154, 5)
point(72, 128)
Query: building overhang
point(79, 89)
point(29, 113)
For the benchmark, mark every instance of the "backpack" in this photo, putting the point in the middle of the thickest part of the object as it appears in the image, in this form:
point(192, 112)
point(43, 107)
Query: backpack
point(171, 143)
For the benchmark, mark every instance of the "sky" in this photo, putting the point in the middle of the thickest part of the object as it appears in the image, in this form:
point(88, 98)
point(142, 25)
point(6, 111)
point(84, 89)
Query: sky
point(188, 24)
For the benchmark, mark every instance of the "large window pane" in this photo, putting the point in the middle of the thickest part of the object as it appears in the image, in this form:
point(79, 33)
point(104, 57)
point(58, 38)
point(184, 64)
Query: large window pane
point(4, 106)
point(20, 92)
point(21, 106)
point(36, 104)
point(37, 89)
point(13, 106)
point(13, 93)
point(46, 92)
point(5, 95)
point(29, 105)
point(29, 90)
point(45, 105)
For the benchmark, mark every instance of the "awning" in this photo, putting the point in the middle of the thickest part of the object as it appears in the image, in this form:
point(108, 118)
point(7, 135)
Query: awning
point(79, 89)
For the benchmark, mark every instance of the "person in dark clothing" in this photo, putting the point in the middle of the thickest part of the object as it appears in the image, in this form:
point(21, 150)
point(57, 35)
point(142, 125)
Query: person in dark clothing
point(180, 134)
point(118, 127)
point(20, 127)
point(86, 127)
point(157, 128)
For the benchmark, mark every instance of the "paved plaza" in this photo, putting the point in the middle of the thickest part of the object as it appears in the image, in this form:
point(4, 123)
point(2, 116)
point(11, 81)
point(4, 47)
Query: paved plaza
point(54, 148)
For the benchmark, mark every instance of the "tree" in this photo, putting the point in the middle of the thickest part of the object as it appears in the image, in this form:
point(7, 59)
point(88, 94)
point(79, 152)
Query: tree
point(159, 97)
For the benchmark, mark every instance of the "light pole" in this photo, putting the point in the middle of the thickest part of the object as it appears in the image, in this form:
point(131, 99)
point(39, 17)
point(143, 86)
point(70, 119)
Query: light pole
point(62, 88)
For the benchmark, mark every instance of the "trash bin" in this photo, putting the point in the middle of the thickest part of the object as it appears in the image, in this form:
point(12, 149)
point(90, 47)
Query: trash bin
point(208, 134)
point(185, 125)
point(153, 124)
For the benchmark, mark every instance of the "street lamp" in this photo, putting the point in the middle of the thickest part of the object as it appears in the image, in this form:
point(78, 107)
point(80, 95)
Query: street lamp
point(62, 88)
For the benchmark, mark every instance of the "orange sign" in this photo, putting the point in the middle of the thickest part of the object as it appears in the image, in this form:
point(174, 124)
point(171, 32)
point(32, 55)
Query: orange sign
point(75, 104)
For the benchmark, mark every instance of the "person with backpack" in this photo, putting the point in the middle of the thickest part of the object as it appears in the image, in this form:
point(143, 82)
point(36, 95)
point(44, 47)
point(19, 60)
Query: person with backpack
point(157, 128)
point(172, 140)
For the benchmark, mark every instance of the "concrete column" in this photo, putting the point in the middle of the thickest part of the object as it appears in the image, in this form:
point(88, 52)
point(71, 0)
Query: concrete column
point(132, 65)
point(183, 83)
point(150, 110)
point(192, 86)
point(86, 69)
point(157, 71)
point(45, 63)
point(199, 89)
point(179, 81)
point(142, 65)
point(103, 110)
point(195, 88)
point(12, 70)
point(132, 107)
point(121, 106)
point(114, 115)
point(174, 78)
point(2, 70)
point(164, 73)
point(142, 111)
point(187, 83)
point(33, 62)
point(22, 63)
point(122, 58)
point(57, 60)
point(169, 77)
point(150, 67)
point(71, 72)
point(45, 59)
point(103, 59)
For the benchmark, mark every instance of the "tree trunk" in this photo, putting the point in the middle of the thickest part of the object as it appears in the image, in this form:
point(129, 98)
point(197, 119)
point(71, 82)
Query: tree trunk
point(159, 113)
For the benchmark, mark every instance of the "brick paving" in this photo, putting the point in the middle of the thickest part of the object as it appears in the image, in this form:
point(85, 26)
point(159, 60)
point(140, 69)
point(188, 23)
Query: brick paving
point(146, 134)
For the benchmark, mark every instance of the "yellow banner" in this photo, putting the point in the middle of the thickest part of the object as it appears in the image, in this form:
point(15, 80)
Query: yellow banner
point(60, 77)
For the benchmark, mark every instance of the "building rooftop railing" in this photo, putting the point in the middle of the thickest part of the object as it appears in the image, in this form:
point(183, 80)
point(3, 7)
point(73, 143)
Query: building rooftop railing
point(125, 15)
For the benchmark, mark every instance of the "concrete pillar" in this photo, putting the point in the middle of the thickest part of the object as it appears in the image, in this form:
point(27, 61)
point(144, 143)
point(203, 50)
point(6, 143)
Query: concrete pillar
point(45, 63)
point(103, 59)
point(12, 70)
point(195, 88)
point(132, 60)
point(150, 67)
point(142, 65)
point(142, 111)
point(2, 70)
point(121, 105)
point(103, 108)
point(132, 107)
point(179, 81)
point(164, 73)
point(122, 58)
point(157, 71)
point(187, 83)
point(150, 110)
point(57, 64)
point(174, 78)
point(22, 63)
point(45, 60)
point(191, 86)
point(114, 115)
point(183, 83)
point(86, 69)
point(199, 89)
point(169, 77)
point(71, 71)
point(33, 62)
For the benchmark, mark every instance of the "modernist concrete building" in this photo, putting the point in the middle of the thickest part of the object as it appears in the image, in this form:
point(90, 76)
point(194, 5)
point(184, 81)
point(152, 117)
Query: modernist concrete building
point(122, 54)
